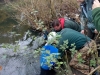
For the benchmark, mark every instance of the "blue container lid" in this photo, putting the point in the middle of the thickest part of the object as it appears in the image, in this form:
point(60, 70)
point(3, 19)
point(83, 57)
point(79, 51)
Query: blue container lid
point(44, 54)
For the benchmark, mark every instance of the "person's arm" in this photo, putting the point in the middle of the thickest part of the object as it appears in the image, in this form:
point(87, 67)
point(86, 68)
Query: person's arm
point(91, 26)
point(96, 18)
point(96, 14)
point(69, 23)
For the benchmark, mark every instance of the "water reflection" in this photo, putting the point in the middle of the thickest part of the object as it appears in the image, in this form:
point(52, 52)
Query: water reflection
point(8, 25)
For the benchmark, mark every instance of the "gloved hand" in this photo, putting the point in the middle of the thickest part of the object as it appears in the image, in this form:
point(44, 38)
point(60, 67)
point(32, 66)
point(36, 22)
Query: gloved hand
point(45, 33)
point(91, 27)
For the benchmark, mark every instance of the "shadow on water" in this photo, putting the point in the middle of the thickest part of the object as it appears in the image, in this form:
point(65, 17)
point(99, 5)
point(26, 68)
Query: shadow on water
point(9, 25)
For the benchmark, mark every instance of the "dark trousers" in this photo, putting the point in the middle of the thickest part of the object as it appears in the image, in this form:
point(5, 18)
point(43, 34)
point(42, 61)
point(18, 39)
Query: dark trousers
point(47, 72)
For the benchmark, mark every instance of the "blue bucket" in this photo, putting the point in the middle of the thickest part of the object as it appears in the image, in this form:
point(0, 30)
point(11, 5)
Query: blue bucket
point(43, 60)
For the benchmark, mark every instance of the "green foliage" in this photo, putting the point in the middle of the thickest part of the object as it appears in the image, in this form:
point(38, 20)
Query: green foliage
point(93, 62)
point(80, 60)
point(36, 52)
point(73, 51)
point(7, 46)
point(64, 46)
point(14, 47)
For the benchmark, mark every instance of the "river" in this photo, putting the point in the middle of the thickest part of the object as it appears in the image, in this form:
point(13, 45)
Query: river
point(21, 61)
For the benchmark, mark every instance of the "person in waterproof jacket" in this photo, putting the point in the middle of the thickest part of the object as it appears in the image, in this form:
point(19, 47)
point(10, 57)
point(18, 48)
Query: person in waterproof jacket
point(96, 14)
point(59, 24)
point(86, 18)
point(83, 45)
point(45, 69)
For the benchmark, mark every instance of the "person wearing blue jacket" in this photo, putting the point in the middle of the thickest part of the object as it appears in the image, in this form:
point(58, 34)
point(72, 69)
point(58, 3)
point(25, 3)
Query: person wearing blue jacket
point(46, 51)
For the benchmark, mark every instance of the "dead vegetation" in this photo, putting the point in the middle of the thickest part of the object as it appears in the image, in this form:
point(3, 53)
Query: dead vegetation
point(39, 13)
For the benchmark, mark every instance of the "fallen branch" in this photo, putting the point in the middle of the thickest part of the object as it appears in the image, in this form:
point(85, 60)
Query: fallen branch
point(94, 70)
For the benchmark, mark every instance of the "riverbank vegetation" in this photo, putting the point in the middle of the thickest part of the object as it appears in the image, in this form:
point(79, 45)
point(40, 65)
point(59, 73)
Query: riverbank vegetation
point(39, 13)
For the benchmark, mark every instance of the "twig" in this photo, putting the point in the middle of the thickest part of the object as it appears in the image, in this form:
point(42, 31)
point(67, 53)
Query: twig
point(67, 65)
point(97, 36)
point(94, 70)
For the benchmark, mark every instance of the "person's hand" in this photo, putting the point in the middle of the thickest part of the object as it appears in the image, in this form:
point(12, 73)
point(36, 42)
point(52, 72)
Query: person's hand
point(96, 4)
point(45, 34)
point(95, 31)
point(82, 31)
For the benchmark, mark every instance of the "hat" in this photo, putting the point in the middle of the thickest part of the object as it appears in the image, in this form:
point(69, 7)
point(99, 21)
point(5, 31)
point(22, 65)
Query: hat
point(51, 37)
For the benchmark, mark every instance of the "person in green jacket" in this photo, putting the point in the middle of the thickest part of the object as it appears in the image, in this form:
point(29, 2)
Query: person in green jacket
point(59, 24)
point(82, 44)
point(96, 14)
point(86, 18)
